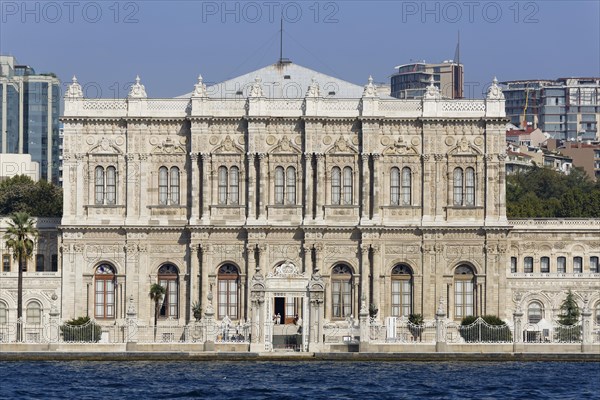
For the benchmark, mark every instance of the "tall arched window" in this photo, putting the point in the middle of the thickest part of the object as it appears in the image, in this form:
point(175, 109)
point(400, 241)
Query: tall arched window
point(174, 189)
point(3, 313)
point(163, 186)
point(222, 189)
point(168, 277)
point(469, 187)
point(406, 186)
point(234, 185)
point(594, 267)
point(535, 312)
point(228, 295)
point(464, 287)
point(458, 186)
point(561, 265)
point(577, 265)
point(394, 186)
point(104, 293)
point(347, 186)
point(111, 185)
point(528, 265)
point(99, 185)
point(597, 313)
point(336, 185)
point(290, 185)
point(545, 265)
point(402, 290)
point(341, 291)
point(33, 314)
point(279, 185)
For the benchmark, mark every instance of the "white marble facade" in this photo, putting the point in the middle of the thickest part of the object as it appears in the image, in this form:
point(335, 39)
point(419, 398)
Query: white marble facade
point(401, 202)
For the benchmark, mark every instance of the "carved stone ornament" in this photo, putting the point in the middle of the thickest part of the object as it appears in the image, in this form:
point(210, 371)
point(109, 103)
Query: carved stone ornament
point(137, 90)
point(285, 270)
point(74, 90)
point(313, 89)
point(433, 92)
point(200, 88)
point(400, 147)
point(256, 90)
point(494, 91)
point(370, 89)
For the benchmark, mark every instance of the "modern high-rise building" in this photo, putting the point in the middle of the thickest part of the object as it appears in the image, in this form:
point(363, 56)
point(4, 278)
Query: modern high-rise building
point(29, 115)
point(566, 108)
point(411, 80)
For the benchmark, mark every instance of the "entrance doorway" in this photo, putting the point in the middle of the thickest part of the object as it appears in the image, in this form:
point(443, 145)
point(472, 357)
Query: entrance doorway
point(289, 310)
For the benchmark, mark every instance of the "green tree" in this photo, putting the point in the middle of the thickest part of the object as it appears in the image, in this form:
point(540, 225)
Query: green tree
point(157, 292)
point(569, 310)
point(20, 237)
point(21, 193)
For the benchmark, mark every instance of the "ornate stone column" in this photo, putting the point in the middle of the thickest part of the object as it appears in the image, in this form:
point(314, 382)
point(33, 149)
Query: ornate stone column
point(195, 189)
point(440, 186)
point(376, 188)
point(194, 277)
point(206, 178)
point(376, 251)
point(365, 268)
point(251, 186)
point(321, 188)
point(263, 186)
point(586, 327)
point(440, 317)
point(308, 187)
point(502, 186)
point(427, 188)
point(204, 272)
point(262, 258)
point(366, 189)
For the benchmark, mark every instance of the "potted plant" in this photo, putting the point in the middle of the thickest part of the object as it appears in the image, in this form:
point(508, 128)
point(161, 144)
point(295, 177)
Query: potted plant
point(197, 311)
point(415, 325)
point(373, 310)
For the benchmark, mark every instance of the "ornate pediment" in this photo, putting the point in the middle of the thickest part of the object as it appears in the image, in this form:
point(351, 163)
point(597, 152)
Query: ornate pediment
point(465, 147)
point(286, 270)
point(401, 147)
point(228, 146)
point(168, 146)
point(105, 146)
point(285, 146)
point(343, 146)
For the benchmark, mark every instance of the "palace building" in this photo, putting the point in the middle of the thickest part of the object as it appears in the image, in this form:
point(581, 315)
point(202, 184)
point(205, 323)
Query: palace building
point(289, 195)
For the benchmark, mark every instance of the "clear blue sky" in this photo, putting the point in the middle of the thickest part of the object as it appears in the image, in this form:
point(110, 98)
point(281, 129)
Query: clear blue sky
point(168, 43)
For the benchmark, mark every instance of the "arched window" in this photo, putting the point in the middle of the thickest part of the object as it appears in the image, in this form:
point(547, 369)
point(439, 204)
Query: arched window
point(597, 314)
point(111, 185)
point(458, 186)
point(290, 185)
point(174, 185)
point(279, 185)
point(535, 312)
point(341, 291)
point(561, 265)
point(402, 290)
point(99, 185)
point(464, 287)
point(234, 185)
point(469, 187)
point(347, 186)
point(594, 267)
point(406, 186)
point(3, 313)
point(395, 186)
point(33, 314)
point(163, 186)
point(228, 295)
point(336, 185)
point(545, 265)
point(104, 293)
point(577, 265)
point(168, 277)
point(222, 185)
point(528, 265)
point(513, 264)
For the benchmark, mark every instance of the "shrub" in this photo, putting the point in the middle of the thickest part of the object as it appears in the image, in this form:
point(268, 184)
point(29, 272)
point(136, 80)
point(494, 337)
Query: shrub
point(416, 325)
point(81, 329)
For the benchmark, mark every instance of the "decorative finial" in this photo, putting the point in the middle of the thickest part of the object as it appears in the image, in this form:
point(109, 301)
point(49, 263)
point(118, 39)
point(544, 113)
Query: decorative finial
point(494, 91)
point(370, 88)
point(74, 90)
point(137, 90)
point(313, 88)
point(433, 92)
point(199, 88)
point(256, 90)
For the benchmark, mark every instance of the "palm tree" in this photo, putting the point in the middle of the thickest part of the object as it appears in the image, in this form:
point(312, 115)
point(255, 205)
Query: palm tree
point(157, 292)
point(20, 237)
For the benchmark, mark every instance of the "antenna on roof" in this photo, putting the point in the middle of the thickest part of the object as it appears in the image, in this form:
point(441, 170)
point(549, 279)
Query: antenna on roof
point(281, 59)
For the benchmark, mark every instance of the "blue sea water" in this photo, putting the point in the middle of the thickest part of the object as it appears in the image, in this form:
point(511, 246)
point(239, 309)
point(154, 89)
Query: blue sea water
point(299, 380)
